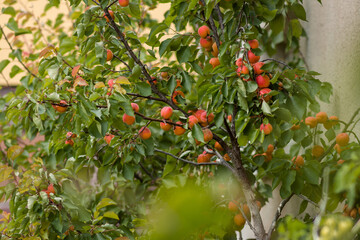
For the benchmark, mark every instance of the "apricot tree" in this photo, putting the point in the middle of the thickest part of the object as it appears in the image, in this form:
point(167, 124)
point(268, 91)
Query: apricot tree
point(180, 129)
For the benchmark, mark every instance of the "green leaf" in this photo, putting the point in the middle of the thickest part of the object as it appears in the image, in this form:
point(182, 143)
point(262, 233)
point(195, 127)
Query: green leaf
point(9, 10)
point(155, 30)
point(296, 28)
point(299, 11)
point(136, 72)
point(105, 202)
point(135, 9)
point(312, 172)
point(287, 181)
point(169, 166)
point(111, 215)
point(325, 92)
point(219, 119)
point(283, 114)
point(183, 54)
point(144, 88)
point(188, 81)
point(266, 108)
point(198, 133)
point(99, 49)
point(3, 64)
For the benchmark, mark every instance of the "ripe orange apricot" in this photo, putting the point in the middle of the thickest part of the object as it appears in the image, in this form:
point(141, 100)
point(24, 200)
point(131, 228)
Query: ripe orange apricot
point(202, 158)
point(192, 121)
point(263, 81)
point(295, 127)
point(317, 151)
point(165, 126)
point(263, 94)
point(338, 148)
point(298, 161)
point(270, 148)
point(253, 43)
point(164, 75)
point(124, 3)
point(199, 115)
point(334, 119)
point(239, 220)
point(215, 50)
point(206, 42)
point(242, 70)
point(246, 211)
point(111, 14)
point(179, 130)
point(204, 31)
point(144, 133)
point(342, 139)
point(108, 138)
point(129, 120)
point(229, 117)
point(252, 57)
point(340, 161)
point(226, 157)
point(218, 147)
point(61, 107)
point(239, 62)
point(257, 68)
point(109, 55)
point(166, 112)
point(321, 117)
point(266, 128)
point(135, 107)
point(69, 142)
point(268, 156)
point(214, 62)
point(208, 136)
point(210, 117)
point(233, 206)
point(311, 122)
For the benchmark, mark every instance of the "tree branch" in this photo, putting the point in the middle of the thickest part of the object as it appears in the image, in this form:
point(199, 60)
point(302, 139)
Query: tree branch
point(187, 161)
point(142, 66)
point(21, 62)
point(277, 215)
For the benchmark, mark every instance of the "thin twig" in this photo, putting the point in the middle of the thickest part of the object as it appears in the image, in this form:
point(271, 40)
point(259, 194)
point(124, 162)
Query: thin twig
point(277, 215)
point(21, 62)
point(187, 161)
point(274, 60)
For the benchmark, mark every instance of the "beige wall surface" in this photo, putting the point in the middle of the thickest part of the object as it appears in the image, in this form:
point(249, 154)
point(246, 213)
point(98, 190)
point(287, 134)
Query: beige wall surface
point(333, 49)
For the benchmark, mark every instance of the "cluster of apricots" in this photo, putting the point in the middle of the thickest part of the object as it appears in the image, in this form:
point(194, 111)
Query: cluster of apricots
point(351, 212)
point(268, 153)
point(320, 117)
point(207, 42)
point(241, 209)
point(261, 77)
point(342, 139)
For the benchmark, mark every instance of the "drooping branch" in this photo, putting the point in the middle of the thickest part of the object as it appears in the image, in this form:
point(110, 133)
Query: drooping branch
point(141, 65)
point(21, 62)
point(157, 120)
point(277, 215)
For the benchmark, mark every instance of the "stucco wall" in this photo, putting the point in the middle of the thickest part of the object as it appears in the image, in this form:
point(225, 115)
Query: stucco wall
point(333, 49)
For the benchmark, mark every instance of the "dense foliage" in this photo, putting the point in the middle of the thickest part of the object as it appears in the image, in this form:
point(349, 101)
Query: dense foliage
point(172, 129)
